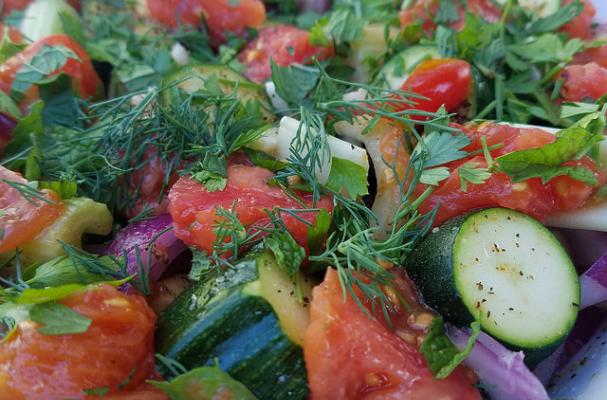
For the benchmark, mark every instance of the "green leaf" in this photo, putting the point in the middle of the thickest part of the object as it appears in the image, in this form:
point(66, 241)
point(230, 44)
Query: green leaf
point(437, 148)
point(9, 107)
point(48, 60)
point(546, 162)
point(67, 189)
point(8, 48)
point(212, 173)
point(470, 172)
point(293, 83)
point(204, 383)
point(548, 48)
point(434, 176)
point(58, 319)
point(553, 22)
point(288, 253)
point(318, 232)
point(66, 271)
point(60, 105)
point(261, 159)
point(201, 266)
point(28, 127)
point(569, 110)
point(348, 177)
point(447, 12)
point(440, 353)
point(344, 25)
point(100, 391)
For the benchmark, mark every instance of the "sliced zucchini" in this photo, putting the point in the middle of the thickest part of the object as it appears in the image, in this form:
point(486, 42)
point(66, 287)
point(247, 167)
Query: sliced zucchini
point(81, 216)
point(253, 329)
point(507, 271)
point(396, 71)
point(193, 78)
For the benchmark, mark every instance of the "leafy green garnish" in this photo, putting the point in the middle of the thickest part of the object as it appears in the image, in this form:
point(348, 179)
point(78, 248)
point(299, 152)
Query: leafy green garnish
point(561, 17)
point(439, 147)
point(204, 383)
point(440, 353)
point(294, 81)
point(472, 172)
point(348, 177)
point(58, 319)
point(288, 253)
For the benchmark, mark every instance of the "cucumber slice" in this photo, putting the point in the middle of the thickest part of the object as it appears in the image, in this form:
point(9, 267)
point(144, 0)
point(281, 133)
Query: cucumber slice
point(396, 71)
point(507, 271)
point(193, 78)
point(252, 325)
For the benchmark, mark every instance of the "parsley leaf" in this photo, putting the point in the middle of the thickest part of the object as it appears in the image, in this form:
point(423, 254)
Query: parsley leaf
point(548, 48)
point(348, 177)
point(58, 319)
point(8, 106)
point(546, 162)
point(289, 255)
point(212, 173)
point(447, 12)
point(294, 82)
point(437, 148)
point(555, 21)
point(434, 176)
point(471, 172)
point(440, 353)
point(318, 232)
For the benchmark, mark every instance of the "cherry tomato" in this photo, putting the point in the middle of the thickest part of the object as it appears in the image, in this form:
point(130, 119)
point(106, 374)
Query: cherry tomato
point(247, 193)
point(22, 219)
point(352, 356)
point(116, 352)
point(445, 82)
point(584, 82)
point(85, 79)
point(220, 16)
point(531, 196)
point(285, 45)
point(424, 12)
point(17, 5)
point(581, 26)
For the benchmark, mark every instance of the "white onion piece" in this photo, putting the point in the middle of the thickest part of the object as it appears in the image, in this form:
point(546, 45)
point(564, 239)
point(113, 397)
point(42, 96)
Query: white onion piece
point(180, 54)
point(277, 102)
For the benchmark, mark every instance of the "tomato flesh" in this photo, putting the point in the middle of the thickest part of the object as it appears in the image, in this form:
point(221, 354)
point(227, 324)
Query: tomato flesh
point(445, 82)
point(21, 219)
point(285, 45)
point(221, 16)
point(531, 196)
point(351, 356)
point(581, 26)
point(85, 79)
point(247, 194)
point(584, 82)
point(117, 345)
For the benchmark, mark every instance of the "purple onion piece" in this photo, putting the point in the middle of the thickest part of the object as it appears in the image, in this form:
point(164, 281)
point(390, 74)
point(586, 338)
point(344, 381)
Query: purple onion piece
point(7, 124)
point(153, 239)
point(317, 6)
point(502, 371)
point(593, 283)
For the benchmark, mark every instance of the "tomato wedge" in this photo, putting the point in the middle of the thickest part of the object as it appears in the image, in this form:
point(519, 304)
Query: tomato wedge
point(221, 16)
point(22, 219)
point(116, 352)
point(351, 356)
point(531, 196)
point(584, 82)
point(247, 194)
point(285, 45)
point(85, 79)
point(581, 26)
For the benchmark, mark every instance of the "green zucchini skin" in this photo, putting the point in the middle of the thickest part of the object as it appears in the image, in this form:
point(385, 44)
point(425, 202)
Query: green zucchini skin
point(504, 269)
point(241, 331)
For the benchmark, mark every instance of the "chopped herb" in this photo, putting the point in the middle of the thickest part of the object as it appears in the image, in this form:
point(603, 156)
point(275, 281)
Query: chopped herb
point(57, 319)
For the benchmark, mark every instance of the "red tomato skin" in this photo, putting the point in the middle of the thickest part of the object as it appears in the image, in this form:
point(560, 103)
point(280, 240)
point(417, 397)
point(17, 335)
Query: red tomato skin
point(445, 82)
point(285, 45)
point(351, 356)
point(84, 77)
point(22, 220)
point(581, 26)
point(596, 54)
point(247, 193)
point(220, 16)
point(118, 344)
point(531, 196)
point(584, 82)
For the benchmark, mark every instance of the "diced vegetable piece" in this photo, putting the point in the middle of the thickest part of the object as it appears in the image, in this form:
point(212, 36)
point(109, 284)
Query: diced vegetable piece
point(504, 269)
point(593, 283)
point(44, 18)
point(250, 323)
point(397, 70)
point(81, 216)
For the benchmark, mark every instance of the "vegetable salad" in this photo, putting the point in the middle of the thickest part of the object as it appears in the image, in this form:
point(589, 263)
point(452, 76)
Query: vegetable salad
point(346, 199)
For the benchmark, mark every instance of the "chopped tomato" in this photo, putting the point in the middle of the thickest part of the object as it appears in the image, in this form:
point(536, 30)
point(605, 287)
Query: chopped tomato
point(531, 196)
point(116, 352)
point(445, 82)
point(352, 356)
point(581, 26)
point(22, 219)
point(221, 16)
point(424, 12)
point(85, 79)
point(595, 54)
point(17, 5)
point(248, 194)
point(285, 45)
point(584, 82)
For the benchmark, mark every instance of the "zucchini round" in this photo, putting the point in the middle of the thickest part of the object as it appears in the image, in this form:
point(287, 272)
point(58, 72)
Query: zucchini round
point(240, 329)
point(507, 271)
